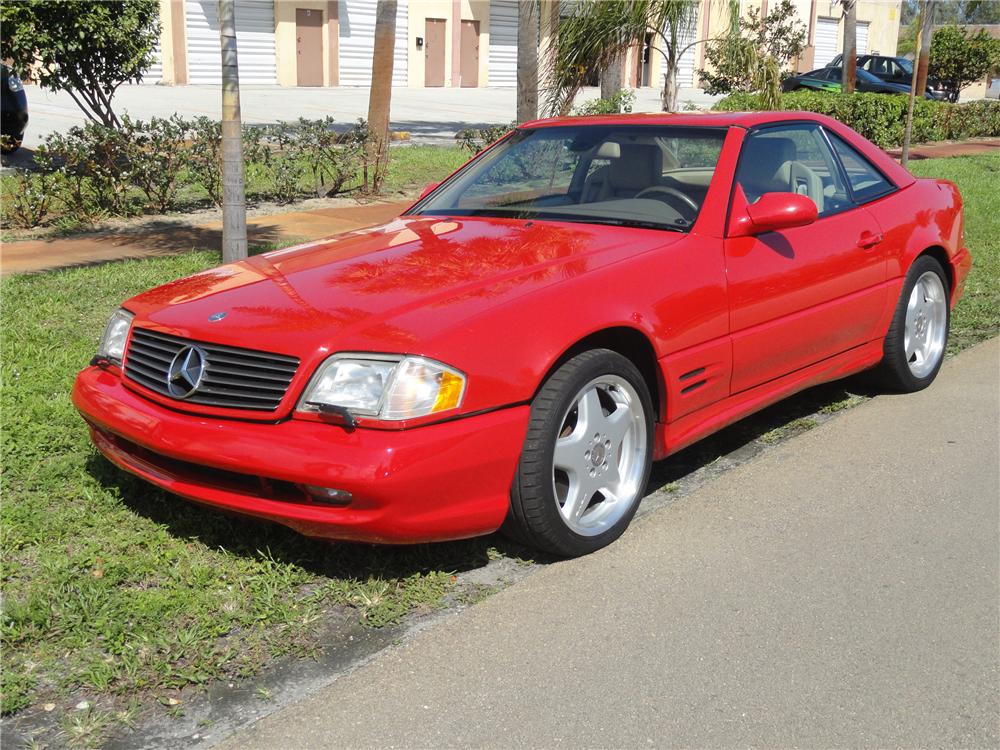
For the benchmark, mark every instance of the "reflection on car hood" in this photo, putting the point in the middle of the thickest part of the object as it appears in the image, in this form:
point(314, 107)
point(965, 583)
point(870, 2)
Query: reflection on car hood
point(357, 287)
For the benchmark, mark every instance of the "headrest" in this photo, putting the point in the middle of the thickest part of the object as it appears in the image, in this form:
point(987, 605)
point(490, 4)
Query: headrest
point(638, 167)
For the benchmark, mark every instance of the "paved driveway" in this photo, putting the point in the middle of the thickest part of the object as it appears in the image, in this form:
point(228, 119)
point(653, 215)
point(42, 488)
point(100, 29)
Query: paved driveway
point(839, 591)
point(429, 114)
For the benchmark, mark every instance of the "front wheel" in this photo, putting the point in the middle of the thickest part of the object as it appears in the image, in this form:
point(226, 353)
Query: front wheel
point(915, 345)
point(586, 458)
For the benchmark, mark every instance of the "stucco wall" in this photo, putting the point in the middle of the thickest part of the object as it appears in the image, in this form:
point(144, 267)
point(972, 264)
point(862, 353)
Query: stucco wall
point(285, 39)
point(471, 10)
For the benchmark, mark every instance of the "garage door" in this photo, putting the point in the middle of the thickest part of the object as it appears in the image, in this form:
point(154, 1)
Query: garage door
point(155, 72)
point(862, 37)
point(826, 41)
point(685, 66)
point(254, 41)
point(503, 43)
point(357, 42)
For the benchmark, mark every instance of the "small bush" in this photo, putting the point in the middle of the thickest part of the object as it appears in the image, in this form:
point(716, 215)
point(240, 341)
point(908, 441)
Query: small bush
point(27, 198)
point(478, 139)
point(158, 155)
point(881, 118)
point(620, 102)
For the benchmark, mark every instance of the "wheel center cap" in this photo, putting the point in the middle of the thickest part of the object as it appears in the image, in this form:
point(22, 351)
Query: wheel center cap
point(597, 454)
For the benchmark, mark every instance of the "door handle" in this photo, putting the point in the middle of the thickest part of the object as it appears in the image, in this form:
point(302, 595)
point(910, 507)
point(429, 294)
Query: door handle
point(869, 240)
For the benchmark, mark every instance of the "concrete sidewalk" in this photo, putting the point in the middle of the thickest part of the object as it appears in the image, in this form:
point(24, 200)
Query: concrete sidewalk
point(841, 590)
point(169, 237)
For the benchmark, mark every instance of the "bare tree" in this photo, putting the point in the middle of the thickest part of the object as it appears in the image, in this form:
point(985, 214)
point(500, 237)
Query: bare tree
point(527, 60)
point(234, 205)
point(848, 70)
point(380, 96)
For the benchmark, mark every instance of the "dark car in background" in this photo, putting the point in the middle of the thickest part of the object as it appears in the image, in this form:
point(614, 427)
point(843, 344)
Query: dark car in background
point(895, 70)
point(828, 79)
point(13, 111)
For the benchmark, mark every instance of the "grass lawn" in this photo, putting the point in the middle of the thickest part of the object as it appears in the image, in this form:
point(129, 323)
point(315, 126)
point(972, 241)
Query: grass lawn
point(123, 595)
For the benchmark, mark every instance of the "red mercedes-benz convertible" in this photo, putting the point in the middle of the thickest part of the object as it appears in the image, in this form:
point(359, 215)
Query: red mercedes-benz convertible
point(581, 299)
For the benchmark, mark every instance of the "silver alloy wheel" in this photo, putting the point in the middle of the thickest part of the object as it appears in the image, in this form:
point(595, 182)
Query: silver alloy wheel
point(926, 328)
point(600, 455)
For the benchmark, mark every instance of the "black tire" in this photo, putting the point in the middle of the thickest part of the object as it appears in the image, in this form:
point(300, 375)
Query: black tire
point(893, 372)
point(534, 518)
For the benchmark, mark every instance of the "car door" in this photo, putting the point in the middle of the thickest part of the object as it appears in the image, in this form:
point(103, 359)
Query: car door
point(800, 295)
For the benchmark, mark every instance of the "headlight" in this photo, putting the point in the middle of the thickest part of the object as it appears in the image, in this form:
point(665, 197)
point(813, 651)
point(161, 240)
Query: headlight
point(113, 341)
point(386, 387)
point(14, 83)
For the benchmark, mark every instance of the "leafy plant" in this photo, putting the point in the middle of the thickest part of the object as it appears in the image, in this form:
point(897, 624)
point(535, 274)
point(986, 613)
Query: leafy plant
point(734, 60)
point(620, 102)
point(27, 198)
point(87, 49)
point(958, 58)
point(475, 140)
point(158, 155)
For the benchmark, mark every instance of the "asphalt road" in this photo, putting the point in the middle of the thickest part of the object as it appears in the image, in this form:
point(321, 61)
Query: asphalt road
point(840, 590)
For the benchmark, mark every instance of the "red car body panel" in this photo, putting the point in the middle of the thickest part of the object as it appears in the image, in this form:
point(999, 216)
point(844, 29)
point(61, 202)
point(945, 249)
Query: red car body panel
point(733, 323)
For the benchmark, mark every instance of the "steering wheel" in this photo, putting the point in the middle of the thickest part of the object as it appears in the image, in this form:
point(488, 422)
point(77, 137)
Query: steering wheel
point(668, 191)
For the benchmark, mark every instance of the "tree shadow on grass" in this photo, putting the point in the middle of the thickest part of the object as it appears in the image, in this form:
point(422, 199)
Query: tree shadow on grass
point(243, 535)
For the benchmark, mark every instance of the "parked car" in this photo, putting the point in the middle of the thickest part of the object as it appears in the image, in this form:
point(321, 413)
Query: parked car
point(993, 90)
point(897, 70)
point(584, 297)
point(828, 79)
point(13, 110)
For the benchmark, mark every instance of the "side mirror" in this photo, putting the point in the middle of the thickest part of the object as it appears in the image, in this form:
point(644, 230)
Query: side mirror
point(775, 211)
point(427, 189)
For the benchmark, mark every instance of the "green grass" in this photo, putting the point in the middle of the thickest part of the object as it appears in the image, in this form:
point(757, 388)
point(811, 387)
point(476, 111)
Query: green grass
point(115, 590)
point(977, 317)
point(121, 594)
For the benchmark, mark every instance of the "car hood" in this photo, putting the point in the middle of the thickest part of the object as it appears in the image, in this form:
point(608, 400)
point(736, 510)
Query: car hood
point(388, 288)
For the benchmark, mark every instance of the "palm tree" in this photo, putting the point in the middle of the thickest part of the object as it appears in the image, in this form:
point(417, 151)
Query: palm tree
point(381, 91)
point(848, 71)
point(527, 60)
point(600, 33)
point(234, 204)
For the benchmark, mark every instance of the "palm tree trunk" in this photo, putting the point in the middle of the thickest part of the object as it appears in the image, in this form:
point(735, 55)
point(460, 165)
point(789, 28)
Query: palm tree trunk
point(234, 206)
point(919, 80)
point(381, 91)
point(527, 60)
point(848, 74)
point(611, 78)
point(669, 93)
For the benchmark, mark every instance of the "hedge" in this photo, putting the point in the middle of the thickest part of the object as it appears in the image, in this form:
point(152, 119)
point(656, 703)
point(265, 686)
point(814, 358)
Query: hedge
point(881, 118)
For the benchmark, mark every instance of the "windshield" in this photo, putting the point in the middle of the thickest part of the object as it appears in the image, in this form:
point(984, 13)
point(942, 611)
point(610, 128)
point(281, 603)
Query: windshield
point(643, 176)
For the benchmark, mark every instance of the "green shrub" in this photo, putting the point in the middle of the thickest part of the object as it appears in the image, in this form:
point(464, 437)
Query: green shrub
point(881, 118)
point(158, 155)
point(26, 198)
point(477, 139)
point(620, 102)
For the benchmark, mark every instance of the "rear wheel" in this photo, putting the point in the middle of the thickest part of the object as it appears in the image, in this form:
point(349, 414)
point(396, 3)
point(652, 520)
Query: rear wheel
point(586, 457)
point(915, 345)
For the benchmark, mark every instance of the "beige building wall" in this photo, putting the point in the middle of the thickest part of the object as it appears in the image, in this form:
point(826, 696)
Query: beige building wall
point(173, 55)
point(419, 11)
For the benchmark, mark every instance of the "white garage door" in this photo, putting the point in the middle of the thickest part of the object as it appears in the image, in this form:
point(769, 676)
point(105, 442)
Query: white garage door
point(357, 43)
point(826, 41)
point(862, 37)
point(155, 72)
point(254, 41)
point(686, 65)
point(503, 43)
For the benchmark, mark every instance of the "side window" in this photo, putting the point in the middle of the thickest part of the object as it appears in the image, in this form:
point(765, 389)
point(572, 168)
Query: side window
point(867, 183)
point(792, 159)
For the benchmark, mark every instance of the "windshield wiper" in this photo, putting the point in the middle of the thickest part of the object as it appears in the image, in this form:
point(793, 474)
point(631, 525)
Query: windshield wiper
point(632, 223)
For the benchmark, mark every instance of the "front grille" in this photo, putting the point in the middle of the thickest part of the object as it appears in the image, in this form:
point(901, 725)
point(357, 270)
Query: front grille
point(233, 378)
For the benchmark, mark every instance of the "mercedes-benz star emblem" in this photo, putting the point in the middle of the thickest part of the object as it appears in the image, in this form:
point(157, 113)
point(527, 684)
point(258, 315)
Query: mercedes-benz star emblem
point(185, 372)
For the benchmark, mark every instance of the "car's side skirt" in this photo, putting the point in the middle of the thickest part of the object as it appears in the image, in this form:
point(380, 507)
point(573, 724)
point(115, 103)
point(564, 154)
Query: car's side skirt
point(678, 434)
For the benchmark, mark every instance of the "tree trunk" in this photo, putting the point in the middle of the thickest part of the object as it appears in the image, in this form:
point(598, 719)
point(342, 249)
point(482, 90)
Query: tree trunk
point(924, 52)
point(381, 92)
point(611, 77)
point(527, 60)
point(849, 65)
point(669, 93)
point(234, 206)
point(918, 83)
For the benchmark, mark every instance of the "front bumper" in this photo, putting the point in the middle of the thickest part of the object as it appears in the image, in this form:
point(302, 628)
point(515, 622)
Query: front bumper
point(449, 480)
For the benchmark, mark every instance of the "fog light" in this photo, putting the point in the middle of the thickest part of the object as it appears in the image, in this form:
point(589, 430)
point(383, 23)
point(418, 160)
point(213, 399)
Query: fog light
point(328, 495)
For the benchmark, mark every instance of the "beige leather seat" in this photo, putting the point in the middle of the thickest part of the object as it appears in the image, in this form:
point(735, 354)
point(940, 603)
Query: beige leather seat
point(638, 167)
point(769, 165)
